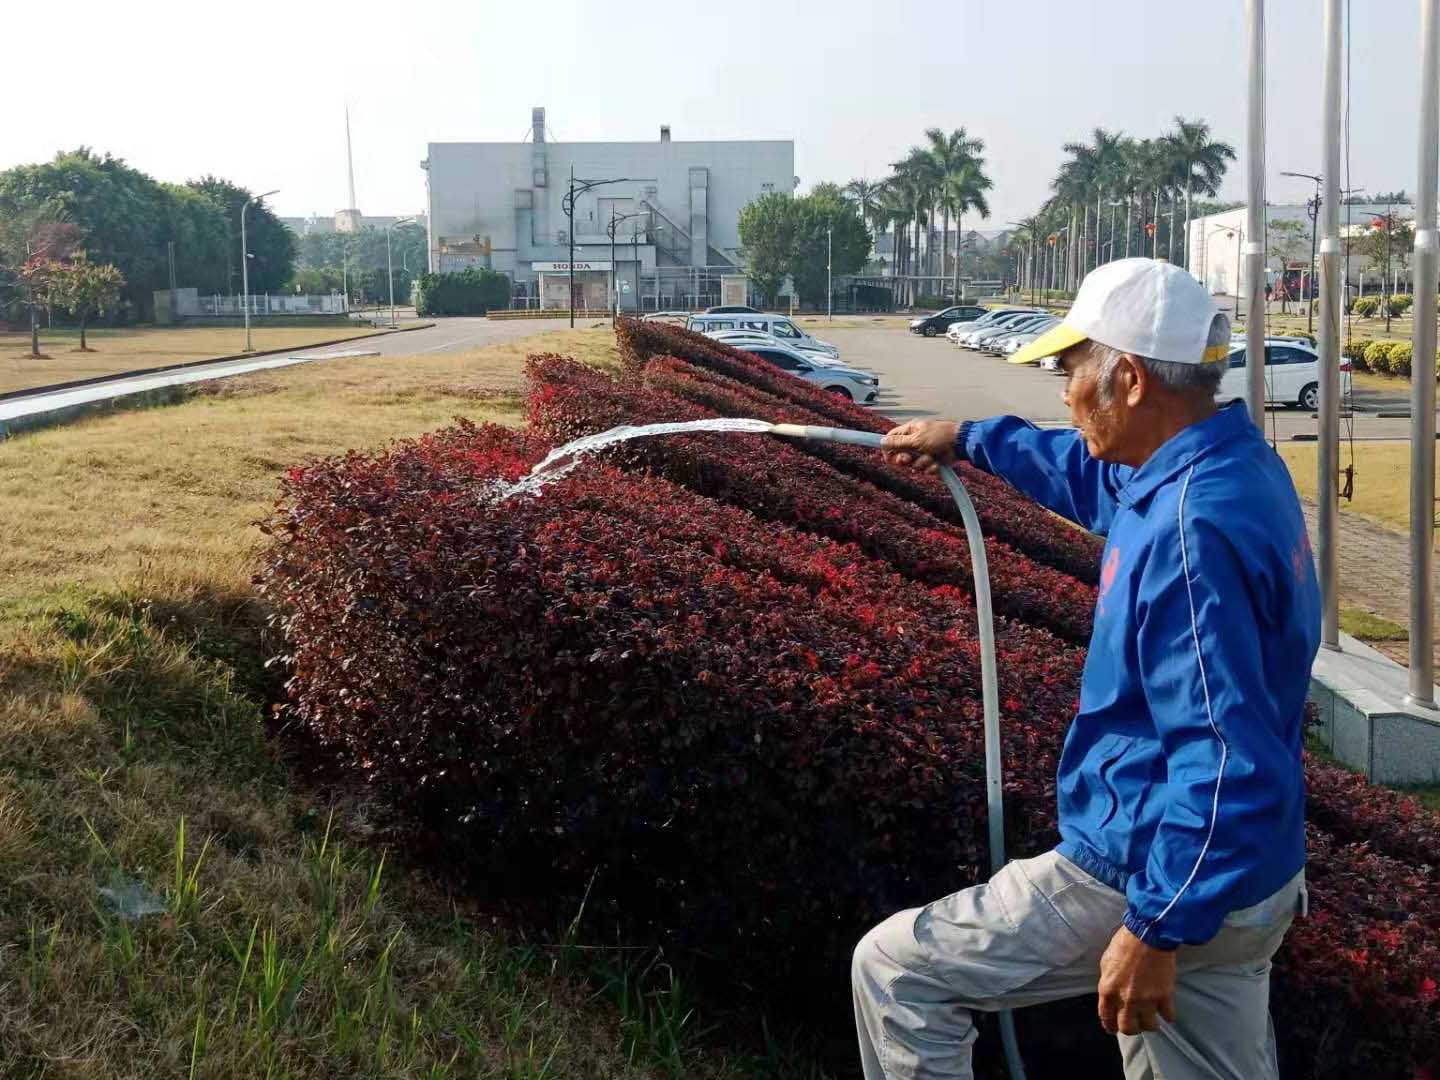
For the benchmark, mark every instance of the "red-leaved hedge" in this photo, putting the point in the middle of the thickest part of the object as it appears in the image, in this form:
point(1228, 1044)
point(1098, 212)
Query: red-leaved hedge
point(1010, 517)
point(771, 738)
point(736, 685)
point(782, 483)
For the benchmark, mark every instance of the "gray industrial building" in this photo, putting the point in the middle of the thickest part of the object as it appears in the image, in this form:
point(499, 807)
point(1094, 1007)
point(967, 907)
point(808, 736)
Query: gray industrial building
point(677, 240)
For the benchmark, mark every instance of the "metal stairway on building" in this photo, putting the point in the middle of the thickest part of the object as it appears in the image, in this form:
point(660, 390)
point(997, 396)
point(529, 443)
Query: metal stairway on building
point(672, 243)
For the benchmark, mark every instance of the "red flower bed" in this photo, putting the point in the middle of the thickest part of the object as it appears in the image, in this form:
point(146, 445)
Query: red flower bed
point(1355, 987)
point(779, 482)
point(1016, 520)
point(1350, 808)
point(763, 739)
point(770, 737)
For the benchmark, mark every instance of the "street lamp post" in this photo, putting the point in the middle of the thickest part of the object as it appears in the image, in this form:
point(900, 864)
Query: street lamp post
point(1312, 208)
point(245, 264)
point(567, 206)
point(615, 220)
point(829, 286)
point(390, 266)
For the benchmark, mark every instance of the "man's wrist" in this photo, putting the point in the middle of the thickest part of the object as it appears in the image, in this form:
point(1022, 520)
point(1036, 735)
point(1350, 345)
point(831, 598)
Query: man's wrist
point(962, 433)
point(1141, 927)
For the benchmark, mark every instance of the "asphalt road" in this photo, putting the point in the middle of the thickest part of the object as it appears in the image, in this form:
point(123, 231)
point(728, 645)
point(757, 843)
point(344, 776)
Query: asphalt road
point(458, 332)
point(929, 377)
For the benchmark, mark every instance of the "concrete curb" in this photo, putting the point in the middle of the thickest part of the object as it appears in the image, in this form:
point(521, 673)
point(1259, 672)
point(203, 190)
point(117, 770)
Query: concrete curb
point(97, 380)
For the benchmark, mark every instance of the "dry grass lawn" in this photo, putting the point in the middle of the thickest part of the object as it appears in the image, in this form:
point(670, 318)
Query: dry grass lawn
point(1382, 479)
point(143, 347)
point(133, 753)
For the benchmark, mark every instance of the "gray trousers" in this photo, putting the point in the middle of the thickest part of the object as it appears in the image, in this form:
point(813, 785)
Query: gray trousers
point(1035, 933)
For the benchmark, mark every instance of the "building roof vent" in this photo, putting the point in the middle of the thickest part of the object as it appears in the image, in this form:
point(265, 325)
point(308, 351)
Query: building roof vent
point(664, 132)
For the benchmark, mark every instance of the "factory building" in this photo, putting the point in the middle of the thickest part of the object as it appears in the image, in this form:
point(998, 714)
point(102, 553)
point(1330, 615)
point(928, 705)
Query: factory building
point(674, 207)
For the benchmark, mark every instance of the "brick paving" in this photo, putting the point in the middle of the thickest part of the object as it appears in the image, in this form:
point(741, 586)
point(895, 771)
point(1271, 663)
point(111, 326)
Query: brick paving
point(1374, 573)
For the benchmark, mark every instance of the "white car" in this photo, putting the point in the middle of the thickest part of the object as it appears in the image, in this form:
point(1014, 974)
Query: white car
point(1000, 344)
point(984, 339)
point(1012, 319)
point(1292, 374)
point(960, 331)
point(1013, 343)
point(851, 383)
point(779, 326)
point(743, 339)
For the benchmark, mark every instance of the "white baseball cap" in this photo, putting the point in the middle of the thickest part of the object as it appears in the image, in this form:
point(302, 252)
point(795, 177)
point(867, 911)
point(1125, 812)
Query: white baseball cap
point(1146, 307)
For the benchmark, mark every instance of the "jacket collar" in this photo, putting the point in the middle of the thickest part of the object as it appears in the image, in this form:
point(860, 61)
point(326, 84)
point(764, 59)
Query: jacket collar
point(1186, 446)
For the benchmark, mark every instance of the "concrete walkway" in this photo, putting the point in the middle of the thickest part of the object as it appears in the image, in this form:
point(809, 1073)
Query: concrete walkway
point(1374, 573)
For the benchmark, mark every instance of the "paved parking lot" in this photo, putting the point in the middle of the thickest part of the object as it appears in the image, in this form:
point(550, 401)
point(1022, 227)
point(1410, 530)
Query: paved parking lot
point(929, 377)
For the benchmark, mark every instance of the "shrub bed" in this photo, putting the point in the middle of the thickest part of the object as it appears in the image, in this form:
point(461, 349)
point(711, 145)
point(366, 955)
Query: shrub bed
point(764, 740)
point(781, 483)
point(1016, 520)
point(1353, 810)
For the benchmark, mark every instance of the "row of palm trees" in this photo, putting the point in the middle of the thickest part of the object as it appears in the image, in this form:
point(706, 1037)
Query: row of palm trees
point(944, 176)
point(1148, 182)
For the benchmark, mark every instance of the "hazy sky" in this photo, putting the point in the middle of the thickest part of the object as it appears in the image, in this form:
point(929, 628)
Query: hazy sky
point(256, 91)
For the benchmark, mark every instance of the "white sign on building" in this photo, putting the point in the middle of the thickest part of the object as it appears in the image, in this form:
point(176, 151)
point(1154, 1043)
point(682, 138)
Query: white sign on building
point(564, 267)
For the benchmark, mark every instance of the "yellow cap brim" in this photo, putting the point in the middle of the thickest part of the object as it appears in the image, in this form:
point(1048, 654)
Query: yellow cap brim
point(1053, 341)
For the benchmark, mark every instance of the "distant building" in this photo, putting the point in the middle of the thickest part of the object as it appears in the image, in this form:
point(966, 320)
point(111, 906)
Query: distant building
point(1216, 243)
point(676, 206)
point(317, 223)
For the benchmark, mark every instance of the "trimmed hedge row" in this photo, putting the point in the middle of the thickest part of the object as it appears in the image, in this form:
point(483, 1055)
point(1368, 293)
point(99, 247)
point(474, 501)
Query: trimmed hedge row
point(760, 739)
point(769, 737)
point(782, 483)
point(1009, 516)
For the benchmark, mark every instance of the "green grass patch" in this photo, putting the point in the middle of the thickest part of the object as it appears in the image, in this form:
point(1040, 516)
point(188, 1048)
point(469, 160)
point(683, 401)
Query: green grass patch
point(1367, 626)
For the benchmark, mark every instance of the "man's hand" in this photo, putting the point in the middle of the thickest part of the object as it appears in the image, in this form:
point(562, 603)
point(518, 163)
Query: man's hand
point(1137, 984)
point(922, 444)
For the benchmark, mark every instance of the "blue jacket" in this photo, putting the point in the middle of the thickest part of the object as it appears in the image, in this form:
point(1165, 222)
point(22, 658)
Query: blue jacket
point(1180, 782)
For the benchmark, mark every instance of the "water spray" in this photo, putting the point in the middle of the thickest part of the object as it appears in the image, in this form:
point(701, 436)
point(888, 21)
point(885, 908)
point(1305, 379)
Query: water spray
point(564, 458)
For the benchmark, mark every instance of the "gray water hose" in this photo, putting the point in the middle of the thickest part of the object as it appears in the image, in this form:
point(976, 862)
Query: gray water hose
point(990, 689)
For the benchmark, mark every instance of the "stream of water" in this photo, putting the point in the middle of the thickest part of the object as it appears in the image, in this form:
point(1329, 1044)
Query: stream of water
point(562, 459)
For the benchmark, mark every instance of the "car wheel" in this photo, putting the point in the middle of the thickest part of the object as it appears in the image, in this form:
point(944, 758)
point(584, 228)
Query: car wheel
point(1310, 397)
point(929, 331)
point(840, 391)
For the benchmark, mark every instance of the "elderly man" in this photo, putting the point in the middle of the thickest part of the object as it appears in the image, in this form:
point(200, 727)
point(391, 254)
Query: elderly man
point(1181, 798)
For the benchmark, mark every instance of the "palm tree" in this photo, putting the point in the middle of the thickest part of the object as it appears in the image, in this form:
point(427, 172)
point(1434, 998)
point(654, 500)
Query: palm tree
point(1073, 185)
point(865, 194)
point(1202, 163)
point(898, 201)
point(923, 178)
point(948, 155)
point(963, 189)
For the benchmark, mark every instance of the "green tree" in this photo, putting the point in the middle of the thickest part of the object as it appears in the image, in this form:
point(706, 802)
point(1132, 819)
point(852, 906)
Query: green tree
point(767, 240)
point(201, 237)
point(827, 226)
point(357, 257)
point(867, 196)
point(1201, 160)
point(82, 289)
point(123, 214)
point(272, 245)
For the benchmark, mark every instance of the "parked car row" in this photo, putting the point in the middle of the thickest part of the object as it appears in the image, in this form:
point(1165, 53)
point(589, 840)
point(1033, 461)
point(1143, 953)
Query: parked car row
point(776, 338)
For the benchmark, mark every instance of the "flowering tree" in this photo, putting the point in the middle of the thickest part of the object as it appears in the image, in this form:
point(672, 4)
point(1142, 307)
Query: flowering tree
point(31, 244)
point(83, 289)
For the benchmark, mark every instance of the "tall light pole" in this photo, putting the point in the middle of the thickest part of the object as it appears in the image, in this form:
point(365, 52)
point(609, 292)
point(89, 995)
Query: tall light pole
point(390, 266)
point(1422, 378)
point(1327, 221)
point(1313, 207)
point(567, 206)
point(1255, 212)
point(615, 220)
point(829, 287)
point(245, 263)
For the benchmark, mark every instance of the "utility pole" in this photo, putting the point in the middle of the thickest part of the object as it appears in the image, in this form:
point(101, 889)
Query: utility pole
point(245, 264)
point(570, 236)
point(829, 286)
point(1422, 377)
point(1255, 213)
point(1328, 451)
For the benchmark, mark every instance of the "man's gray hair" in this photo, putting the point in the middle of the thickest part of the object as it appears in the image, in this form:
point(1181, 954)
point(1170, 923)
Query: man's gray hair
point(1200, 379)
